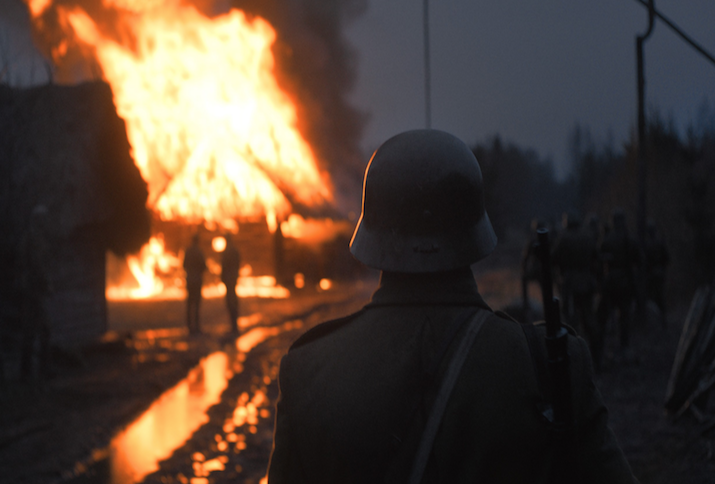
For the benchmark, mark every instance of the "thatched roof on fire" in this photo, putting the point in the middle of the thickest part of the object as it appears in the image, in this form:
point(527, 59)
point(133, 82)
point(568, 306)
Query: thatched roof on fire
point(66, 148)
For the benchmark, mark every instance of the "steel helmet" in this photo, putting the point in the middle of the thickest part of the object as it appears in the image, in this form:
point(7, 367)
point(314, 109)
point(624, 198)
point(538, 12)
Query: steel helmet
point(422, 206)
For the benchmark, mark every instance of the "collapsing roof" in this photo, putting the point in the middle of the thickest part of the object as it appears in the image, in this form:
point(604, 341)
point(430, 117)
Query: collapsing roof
point(66, 148)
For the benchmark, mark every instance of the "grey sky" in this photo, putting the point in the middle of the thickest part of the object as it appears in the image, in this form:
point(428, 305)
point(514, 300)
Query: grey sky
point(528, 69)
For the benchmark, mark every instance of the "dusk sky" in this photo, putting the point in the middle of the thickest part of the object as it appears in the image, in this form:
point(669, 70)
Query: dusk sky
point(529, 70)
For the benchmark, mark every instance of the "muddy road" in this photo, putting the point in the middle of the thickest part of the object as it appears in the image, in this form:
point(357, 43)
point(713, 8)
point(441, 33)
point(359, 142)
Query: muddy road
point(153, 405)
point(113, 411)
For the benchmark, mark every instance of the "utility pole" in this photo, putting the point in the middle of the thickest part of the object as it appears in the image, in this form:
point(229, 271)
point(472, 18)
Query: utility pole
point(428, 93)
point(642, 144)
point(642, 160)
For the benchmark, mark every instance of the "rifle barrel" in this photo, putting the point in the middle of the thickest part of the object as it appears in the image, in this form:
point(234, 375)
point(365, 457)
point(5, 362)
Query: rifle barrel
point(547, 286)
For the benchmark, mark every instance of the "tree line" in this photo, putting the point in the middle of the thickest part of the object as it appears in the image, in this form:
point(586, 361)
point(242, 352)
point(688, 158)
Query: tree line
point(522, 186)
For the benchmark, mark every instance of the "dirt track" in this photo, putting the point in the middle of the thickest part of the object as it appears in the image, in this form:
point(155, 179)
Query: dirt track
point(659, 449)
point(55, 431)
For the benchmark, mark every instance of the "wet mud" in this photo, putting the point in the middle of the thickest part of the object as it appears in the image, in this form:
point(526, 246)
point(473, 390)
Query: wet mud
point(60, 430)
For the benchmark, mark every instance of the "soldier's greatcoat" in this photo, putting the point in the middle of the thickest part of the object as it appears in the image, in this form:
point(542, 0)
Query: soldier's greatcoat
point(354, 397)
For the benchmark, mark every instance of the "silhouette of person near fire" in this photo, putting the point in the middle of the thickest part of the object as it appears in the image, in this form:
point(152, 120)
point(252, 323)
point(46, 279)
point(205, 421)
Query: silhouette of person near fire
point(230, 264)
point(195, 266)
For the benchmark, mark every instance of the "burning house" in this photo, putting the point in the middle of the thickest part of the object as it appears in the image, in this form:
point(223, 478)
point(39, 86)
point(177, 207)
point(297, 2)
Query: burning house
point(223, 133)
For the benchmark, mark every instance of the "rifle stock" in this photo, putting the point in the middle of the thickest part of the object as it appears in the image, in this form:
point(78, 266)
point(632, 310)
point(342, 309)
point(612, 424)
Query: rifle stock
point(556, 342)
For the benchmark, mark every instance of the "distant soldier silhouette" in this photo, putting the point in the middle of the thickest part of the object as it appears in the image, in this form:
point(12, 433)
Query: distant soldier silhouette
point(195, 266)
point(230, 264)
point(575, 257)
point(656, 262)
point(620, 256)
point(35, 286)
point(426, 383)
point(279, 265)
point(530, 268)
point(593, 226)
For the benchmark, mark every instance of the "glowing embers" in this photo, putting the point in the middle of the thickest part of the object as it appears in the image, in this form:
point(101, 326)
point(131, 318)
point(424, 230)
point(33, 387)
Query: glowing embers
point(202, 467)
point(211, 131)
point(169, 422)
point(218, 244)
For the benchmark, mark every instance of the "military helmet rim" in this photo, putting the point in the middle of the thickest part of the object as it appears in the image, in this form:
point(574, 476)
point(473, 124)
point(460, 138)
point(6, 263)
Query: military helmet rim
point(423, 206)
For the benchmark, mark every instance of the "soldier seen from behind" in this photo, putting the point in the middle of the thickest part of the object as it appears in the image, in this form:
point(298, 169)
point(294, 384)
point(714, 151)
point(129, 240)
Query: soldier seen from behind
point(426, 383)
point(35, 287)
point(620, 256)
point(195, 266)
point(575, 258)
point(230, 264)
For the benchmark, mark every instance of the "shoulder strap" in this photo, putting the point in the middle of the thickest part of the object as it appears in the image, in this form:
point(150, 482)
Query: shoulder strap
point(323, 329)
point(450, 378)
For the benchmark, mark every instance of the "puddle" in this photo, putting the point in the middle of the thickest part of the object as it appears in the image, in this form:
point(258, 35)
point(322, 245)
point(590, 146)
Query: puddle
point(174, 417)
point(169, 422)
point(256, 336)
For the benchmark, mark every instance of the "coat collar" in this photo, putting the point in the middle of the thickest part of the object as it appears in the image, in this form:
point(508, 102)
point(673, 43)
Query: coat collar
point(452, 288)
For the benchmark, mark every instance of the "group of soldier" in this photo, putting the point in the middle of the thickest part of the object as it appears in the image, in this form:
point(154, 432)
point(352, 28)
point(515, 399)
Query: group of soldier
point(603, 276)
point(195, 266)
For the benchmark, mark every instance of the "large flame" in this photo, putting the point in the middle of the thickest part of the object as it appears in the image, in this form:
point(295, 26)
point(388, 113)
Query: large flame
point(212, 133)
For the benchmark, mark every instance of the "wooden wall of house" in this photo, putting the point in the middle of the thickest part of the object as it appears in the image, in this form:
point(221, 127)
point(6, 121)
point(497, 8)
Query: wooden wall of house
point(77, 308)
point(255, 244)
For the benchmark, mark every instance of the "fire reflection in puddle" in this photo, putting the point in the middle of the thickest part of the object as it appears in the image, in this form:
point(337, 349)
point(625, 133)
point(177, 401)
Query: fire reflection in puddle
point(179, 412)
point(258, 335)
point(169, 422)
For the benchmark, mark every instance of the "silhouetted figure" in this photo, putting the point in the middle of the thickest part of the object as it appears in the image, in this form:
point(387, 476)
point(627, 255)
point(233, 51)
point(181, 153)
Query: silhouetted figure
point(35, 286)
point(230, 264)
point(575, 258)
point(279, 257)
point(368, 398)
point(194, 265)
point(621, 258)
point(530, 268)
point(657, 259)
point(593, 227)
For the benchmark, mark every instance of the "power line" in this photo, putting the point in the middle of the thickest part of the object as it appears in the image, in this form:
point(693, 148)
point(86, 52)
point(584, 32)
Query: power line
point(680, 32)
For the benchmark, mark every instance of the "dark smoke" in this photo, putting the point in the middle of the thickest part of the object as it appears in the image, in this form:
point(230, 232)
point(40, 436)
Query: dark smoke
point(318, 66)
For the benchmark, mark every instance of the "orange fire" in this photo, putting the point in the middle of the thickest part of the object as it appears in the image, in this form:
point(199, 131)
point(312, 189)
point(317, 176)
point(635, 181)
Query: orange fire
point(211, 131)
point(147, 268)
point(38, 7)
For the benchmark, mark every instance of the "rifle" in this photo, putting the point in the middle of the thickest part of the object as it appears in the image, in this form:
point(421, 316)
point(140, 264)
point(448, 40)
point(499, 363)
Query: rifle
point(557, 362)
